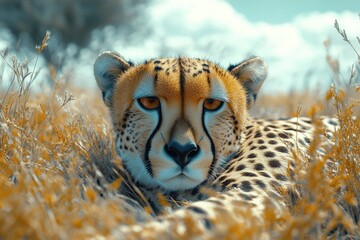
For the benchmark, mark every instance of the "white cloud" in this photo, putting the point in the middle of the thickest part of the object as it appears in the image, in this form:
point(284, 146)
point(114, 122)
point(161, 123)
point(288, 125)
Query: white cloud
point(213, 29)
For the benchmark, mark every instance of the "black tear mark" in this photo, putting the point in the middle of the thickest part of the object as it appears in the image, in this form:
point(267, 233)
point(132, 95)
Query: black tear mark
point(147, 162)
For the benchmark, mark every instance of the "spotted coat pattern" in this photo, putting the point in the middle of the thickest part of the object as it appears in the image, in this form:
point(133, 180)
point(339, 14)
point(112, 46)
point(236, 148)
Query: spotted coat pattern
point(251, 162)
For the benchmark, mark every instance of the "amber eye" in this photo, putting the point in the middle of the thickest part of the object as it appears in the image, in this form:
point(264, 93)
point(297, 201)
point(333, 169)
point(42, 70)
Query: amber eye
point(211, 104)
point(149, 103)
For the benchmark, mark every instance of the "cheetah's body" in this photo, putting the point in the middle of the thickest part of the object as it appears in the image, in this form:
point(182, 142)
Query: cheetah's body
point(182, 124)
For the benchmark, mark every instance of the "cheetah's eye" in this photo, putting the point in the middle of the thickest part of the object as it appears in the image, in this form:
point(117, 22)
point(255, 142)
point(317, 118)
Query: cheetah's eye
point(149, 103)
point(211, 104)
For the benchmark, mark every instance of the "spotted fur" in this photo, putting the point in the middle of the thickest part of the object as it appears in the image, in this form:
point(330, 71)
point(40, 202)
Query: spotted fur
point(180, 145)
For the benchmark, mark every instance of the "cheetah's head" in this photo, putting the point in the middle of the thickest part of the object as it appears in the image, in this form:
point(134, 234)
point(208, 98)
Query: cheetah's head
point(177, 120)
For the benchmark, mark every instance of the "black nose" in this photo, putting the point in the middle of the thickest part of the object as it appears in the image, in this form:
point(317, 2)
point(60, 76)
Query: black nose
point(181, 154)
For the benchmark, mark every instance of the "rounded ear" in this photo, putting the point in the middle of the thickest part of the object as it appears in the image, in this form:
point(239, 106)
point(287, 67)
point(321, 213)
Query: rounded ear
point(108, 67)
point(251, 73)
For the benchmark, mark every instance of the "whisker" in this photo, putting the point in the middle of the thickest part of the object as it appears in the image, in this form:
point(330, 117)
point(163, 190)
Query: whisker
point(162, 136)
point(212, 176)
point(201, 138)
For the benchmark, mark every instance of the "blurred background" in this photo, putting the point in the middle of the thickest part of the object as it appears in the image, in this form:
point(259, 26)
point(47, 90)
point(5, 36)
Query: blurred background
point(289, 35)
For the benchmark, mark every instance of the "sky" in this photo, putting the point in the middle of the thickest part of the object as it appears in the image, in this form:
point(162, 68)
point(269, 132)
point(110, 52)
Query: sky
point(281, 11)
point(288, 36)
point(226, 33)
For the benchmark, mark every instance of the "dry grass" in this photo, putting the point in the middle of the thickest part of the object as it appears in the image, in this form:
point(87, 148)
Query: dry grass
point(46, 137)
point(50, 140)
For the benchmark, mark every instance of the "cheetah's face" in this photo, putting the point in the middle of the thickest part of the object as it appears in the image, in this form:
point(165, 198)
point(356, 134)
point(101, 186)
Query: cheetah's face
point(177, 121)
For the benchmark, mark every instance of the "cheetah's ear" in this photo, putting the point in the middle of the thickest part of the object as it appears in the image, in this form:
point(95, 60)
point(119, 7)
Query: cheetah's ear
point(251, 73)
point(108, 68)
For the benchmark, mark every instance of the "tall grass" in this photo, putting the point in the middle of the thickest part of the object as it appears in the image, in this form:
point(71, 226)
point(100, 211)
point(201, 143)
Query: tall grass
point(59, 173)
point(48, 139)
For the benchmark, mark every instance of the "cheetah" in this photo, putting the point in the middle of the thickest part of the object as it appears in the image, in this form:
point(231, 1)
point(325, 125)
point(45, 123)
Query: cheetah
point(183, 124)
